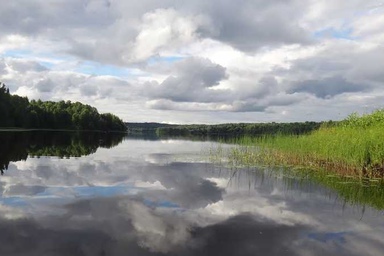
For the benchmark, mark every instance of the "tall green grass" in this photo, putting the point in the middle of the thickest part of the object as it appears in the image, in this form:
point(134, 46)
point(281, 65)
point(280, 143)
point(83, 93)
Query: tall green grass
point(347, 157)
point(352, 147)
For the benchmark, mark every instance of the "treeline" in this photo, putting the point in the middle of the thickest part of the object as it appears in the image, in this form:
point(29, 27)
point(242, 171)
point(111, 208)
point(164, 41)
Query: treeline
point(16, 111)
point(16, 146)
point(240, 129)
point(145, 128)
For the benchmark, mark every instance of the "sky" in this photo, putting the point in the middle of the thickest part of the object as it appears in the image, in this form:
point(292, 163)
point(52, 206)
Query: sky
point(216, 61)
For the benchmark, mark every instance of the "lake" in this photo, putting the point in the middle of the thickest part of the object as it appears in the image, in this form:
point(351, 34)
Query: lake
point(108, 194)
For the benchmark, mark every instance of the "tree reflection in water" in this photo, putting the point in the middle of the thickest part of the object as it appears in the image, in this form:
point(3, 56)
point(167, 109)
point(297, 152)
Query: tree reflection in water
point(16, 146)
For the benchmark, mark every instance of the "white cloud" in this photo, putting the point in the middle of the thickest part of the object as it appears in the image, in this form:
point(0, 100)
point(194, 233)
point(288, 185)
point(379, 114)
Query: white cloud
point(163, 29)
point(136, 50)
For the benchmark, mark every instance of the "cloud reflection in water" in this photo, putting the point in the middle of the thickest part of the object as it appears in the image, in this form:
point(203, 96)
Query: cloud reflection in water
point(155, 198)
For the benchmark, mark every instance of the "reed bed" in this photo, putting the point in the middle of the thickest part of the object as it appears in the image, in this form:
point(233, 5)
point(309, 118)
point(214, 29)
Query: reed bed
point(351, 189)
point(347, 157)
point(353, 147)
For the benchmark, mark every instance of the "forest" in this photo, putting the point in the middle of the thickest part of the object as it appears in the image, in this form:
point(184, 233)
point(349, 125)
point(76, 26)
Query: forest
point(145, 128)
point(238, 129)
point(19, 112)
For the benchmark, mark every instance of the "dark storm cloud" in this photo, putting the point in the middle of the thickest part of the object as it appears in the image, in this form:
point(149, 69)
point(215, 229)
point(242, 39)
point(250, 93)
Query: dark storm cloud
point(104, 30)
point(41, 17)
point(324, 63)
point(248, 106)
point(249, 25)
point(264, 87)
point(191, 81)
point(23, 66)
point(258, 98)
point(328, 87)
point(190, 87)
point(283, 33)
point(45, 85)
point(262, 105)
point(334, 70)
point(364, 66)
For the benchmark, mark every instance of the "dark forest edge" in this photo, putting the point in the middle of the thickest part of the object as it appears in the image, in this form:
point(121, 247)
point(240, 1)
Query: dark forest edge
point(238, 129)
point(19, 112)
point(229, 130)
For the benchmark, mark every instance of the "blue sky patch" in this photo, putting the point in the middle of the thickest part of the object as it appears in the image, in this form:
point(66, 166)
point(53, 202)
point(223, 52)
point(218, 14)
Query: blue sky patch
point(344, 33)
point(164, 59)
point(17, 53)
point(84, 67)
point(30, 55)
point(94, 68)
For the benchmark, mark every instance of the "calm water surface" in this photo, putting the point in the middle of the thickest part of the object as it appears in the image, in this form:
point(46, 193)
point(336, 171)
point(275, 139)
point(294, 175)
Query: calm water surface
point(94, 194)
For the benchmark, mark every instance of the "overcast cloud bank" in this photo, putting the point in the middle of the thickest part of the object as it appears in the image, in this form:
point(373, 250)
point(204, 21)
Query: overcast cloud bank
point(216, 61)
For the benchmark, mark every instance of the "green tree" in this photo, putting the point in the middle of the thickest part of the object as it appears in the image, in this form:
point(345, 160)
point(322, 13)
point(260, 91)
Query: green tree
point(16, 111)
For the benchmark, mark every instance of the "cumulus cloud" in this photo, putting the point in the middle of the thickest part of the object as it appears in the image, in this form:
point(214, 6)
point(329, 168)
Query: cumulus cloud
point(193, 80)
point(163, 29)
point(254, 24)
point(222, 56)
point(40, 17)
point(29, 78)
point(196, 84)
point(23, 66)
point(328, 87)
point(144, 30)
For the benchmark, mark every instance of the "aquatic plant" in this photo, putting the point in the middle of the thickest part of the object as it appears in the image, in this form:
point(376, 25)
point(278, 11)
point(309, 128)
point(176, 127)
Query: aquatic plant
point(350, 189)
point(353, 147)
point(347, 157)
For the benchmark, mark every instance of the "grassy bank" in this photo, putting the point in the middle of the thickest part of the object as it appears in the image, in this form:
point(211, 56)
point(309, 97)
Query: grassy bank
point(347, 158)
point(360, 192)
point(353, 147)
